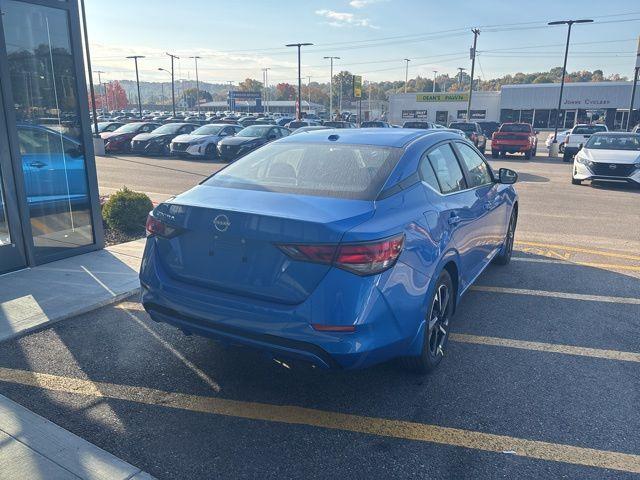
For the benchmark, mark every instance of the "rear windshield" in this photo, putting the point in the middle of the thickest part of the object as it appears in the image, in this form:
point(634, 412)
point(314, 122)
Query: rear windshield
point(516, 128)
point(373, 124)
point(423, 125)
point(334, 124)
point(465, 127)
point(339, 171)
point(614, 142)
point(589, 129)
point(254, 131)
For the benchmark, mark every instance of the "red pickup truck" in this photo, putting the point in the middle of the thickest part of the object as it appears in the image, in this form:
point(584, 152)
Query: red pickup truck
point(514, 138)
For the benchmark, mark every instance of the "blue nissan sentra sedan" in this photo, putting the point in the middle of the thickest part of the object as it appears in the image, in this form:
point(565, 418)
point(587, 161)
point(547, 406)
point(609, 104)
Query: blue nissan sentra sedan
point(341, 248)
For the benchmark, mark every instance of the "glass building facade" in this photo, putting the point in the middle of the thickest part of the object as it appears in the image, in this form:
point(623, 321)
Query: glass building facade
point(49, 207)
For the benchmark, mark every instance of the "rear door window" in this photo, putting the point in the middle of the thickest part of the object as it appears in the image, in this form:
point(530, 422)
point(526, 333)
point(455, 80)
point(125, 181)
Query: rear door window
point(447, 169)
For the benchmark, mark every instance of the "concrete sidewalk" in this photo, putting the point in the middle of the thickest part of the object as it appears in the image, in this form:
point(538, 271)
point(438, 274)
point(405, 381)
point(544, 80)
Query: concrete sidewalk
point(49, 293)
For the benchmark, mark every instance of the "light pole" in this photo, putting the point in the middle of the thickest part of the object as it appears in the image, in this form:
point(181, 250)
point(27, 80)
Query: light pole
point(435, 75)
point(406, 74)
point(265, 77)
point(308, 94)
point(104, 88)
point(195, 58)
point(299, 105)
point(173, 89)
point(135, 59)
point(554, 145)
point(162, 84)
point(331, 59)
point(633, 91)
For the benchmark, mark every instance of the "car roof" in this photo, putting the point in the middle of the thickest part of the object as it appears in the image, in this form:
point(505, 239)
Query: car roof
point(362, 136)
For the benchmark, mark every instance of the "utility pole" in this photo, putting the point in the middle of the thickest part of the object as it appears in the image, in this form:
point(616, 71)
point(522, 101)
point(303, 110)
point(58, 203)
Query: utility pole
point(173, 88)
point(476, 32)
point(309, 95)
point(435, 75)
point(633, 92)
point(265, 87)
point(553, 151)
point(331, 59)
point(135, 59)
point(299, 105)
point(406, 74)
point(104, 88)
point(195, 58)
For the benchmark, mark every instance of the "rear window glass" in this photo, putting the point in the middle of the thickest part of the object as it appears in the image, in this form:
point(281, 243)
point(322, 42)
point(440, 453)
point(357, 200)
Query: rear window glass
point(423, 125)
point(340, 171)
point(590, 129)
point(465, 127)
point(630, 141)
point(516, 128)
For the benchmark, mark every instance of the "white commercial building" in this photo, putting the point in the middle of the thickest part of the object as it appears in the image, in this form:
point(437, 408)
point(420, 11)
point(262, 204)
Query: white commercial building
point(537, 104)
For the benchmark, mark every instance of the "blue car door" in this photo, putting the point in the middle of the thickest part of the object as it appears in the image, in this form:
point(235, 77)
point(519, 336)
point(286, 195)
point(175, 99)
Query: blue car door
point(458, 210)
point(490, 199)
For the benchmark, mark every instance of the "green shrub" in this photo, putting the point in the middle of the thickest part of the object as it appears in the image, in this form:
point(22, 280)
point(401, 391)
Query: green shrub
point(127, 210)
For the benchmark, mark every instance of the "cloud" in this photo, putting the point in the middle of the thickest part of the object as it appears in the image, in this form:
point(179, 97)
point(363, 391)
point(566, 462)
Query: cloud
point(343, 19)
point(363, 3)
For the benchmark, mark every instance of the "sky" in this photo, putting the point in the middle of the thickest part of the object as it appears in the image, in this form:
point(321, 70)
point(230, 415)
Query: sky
point(236, 39)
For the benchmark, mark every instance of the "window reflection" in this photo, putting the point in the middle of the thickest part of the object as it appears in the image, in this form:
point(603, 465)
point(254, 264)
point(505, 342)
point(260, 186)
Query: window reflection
point(5, 238)
point(43, 82)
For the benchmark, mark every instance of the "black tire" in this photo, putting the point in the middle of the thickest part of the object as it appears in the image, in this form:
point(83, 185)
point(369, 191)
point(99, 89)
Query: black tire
point(504, 256)
point(535, 151)
point(527, 154)
point(566, 157)
point(561, 148)
point(211, 152)
point(437, 330)
point(502, 154)
point(575, 182)
point(495, 153)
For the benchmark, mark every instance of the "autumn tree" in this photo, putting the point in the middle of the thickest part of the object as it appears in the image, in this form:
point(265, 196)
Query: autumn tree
point(285, 91)
point(250, 85)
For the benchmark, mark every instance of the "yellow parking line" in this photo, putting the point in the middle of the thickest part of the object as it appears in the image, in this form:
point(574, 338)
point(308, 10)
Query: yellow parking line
point(547, 347)
point(580, 249)
point(608, 266)
point(293, 415)
point(564, 295)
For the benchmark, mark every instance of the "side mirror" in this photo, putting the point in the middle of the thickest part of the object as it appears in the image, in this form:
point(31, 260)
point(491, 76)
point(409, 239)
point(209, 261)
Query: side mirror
point(507, 176)
point(272, 137)
point(580, 146)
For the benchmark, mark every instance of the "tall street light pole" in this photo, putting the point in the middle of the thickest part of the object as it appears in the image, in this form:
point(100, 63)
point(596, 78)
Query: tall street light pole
point(476, 32)
point(173, 89)
point(299, 106)
point(435, 75)
point(633, 91)
point(104, 89)
point(331, 59)
point(135, 59)
point(265, 86)
point(554, 145)
point(195, 58)
point(406, 74)
point(308, 94)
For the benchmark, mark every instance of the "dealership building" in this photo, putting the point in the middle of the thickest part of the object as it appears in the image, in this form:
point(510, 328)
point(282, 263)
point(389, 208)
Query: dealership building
point(49, 204)
point(537, 104)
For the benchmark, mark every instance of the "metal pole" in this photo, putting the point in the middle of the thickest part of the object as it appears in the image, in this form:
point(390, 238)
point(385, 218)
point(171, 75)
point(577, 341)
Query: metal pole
point(633, 95)
point(564, 73)
point(299, 104)
point(173, 88)
point(406, 75)
point(87, 53)
point(435, 74)
point(195, 58)
point(331, 85)
point(476, 32)
point(309, 95)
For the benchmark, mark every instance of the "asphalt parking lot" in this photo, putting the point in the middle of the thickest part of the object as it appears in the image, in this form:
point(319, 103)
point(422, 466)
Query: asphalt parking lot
point(540, 381)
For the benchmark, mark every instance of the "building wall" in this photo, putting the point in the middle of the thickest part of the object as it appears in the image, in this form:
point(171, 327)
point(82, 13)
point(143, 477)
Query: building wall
point(485, 105)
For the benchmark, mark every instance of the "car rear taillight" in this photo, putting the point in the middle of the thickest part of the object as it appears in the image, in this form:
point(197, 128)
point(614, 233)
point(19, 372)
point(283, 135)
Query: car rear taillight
point(155, 227)
point(360, 258)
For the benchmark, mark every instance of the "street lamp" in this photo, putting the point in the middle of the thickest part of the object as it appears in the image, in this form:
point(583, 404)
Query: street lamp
point(406, 74)
point(166, 71)
point(435, 74)
point(135, 59)
point(554, 145)
point(197, 86)
point(331, 59)
point(299, 105)
point(173, 90)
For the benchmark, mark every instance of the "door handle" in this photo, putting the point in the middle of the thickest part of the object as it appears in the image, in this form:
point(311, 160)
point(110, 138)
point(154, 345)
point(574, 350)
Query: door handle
point(38, 164)
point(454, 220)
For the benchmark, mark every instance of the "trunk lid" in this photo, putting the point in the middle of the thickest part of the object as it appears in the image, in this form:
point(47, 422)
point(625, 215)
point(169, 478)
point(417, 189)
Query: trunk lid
point(227, 240)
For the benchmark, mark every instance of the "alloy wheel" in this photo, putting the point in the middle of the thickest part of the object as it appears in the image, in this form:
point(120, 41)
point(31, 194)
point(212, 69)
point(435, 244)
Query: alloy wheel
point(510, 235)
point(439, 321)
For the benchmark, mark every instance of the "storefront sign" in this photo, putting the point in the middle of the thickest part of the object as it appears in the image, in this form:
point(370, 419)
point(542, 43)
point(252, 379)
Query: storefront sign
point(585, 102)
point(414, 114)
point(474, 114)
point(442, 97)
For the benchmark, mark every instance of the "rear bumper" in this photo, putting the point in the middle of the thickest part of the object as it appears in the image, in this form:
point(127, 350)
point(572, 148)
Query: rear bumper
point(504, 146)
point(284, 331)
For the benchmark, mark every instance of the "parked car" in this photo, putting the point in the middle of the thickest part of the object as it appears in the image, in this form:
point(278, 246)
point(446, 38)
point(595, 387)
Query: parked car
point(611, 156)
point(119, 141)
point(473, 131)
point(338, 124)
point(157, 141)
point(418, 124)
point(514, 138)
point(374, 124)
point(561, 137)
point(300, 123)
point(489, 128)
point(578, 136)
point(249, 139)
point(202, 141)
point(108, 126)
point(299, 248)
point(284, 120)
point(310, 128)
